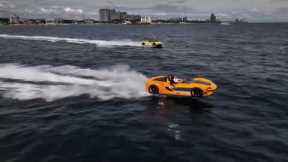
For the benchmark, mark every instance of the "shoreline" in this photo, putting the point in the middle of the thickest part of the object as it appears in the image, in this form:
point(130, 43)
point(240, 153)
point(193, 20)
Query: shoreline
point(229, 23)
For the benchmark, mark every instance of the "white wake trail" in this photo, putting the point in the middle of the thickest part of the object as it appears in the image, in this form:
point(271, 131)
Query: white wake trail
point(56, 82)
point(18, 72)
point(100, 43)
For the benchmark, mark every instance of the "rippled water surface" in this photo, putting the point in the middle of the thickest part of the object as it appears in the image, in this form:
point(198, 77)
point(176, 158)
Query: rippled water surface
point(75, 93)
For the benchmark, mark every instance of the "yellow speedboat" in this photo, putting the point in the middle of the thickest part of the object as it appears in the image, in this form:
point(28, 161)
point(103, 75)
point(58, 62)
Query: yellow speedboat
point(171, 86)
point(152, 43)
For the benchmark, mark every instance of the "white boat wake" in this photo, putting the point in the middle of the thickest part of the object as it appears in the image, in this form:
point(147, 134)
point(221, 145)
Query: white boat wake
point(56, 82)
point(100, 43)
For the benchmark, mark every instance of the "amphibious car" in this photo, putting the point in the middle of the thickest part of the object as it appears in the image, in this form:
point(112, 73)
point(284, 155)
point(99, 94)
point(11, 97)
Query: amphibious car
point(170, 86)
point(152, 43)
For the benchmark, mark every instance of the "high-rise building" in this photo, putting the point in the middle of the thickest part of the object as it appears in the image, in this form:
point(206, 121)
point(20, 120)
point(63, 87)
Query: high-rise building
point(105, 14)
point(113, 16)
point(213, 18)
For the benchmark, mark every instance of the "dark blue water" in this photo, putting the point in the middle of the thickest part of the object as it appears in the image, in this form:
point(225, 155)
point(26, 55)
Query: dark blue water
point(245, 121)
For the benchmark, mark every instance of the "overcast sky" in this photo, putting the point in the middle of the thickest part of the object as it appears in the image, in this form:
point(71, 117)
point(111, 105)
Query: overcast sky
point(251, 10)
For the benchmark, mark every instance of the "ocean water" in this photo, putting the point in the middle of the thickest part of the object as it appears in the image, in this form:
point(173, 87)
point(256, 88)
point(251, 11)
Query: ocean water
point(75, 93)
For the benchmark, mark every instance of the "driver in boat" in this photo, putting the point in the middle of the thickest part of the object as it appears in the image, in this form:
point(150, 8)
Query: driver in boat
point(178, 80)
point(173, 80)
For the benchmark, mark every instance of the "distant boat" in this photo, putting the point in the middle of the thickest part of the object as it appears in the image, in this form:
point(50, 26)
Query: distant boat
point(127, 22)
point(152, 43)
point(240, 21)
point(225, 23)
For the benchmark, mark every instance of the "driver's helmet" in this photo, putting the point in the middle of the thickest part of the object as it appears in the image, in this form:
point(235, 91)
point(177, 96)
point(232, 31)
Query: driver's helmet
point(178, 80)
point(171, 77)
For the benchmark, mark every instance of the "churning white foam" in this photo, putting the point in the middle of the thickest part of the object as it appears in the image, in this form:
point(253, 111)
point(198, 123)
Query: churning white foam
point(100, 43)
point(56, 82)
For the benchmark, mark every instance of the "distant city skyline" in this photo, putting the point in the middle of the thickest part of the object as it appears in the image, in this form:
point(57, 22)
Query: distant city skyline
point(251, 10)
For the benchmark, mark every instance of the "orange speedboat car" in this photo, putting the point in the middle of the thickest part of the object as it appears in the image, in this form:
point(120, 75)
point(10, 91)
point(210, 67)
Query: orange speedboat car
point(171, 86)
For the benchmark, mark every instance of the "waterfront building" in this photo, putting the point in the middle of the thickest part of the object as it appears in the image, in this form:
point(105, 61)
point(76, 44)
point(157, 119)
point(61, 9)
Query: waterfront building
point(14, 19)
point(213, 18)
point(123, 16)
point(146, 20)
point(33, 21)
point(4, 20)
point(113, 16)
point(105, 14)
point(134, 19)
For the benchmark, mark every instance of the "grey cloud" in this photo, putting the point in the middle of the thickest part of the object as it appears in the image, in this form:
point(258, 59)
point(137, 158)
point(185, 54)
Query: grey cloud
point(251, 9)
